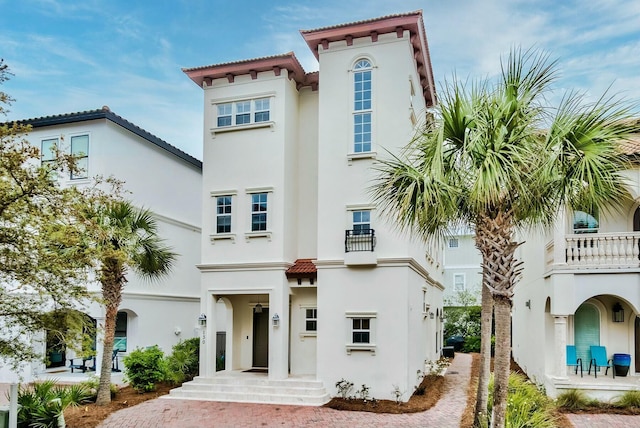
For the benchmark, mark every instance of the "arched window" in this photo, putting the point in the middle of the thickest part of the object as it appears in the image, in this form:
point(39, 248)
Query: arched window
point(362, 106)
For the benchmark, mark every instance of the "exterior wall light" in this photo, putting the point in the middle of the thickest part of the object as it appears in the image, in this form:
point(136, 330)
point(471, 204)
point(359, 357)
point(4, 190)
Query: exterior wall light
point(276, 320)
point(202, 320)
point(431, 315)
point(618, 313)
point(528, 303)
point(257, 309)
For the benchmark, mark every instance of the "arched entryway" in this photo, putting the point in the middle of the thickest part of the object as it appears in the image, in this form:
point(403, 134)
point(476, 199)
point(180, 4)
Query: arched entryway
point(586, 329)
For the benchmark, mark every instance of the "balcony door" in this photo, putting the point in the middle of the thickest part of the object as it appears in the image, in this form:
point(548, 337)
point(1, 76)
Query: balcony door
point(586, 330)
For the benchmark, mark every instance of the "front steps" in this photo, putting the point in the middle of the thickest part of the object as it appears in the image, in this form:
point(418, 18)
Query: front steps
point(253, 388)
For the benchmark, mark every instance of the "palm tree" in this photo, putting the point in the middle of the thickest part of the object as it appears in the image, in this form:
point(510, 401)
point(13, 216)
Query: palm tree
point(125, 238)
point(497, 159)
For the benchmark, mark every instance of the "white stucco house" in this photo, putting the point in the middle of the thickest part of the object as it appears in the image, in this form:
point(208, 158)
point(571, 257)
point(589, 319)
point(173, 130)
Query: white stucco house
point(462, 268)
point(160, 177)
point(581, 287)
point(313, 284)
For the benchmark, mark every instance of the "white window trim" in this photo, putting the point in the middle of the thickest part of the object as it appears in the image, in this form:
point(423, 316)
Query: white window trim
point(305, 332)
point(361, 156)
point(368, 347)
point(252, 234)
point(252, 125)
point(352, 155)
point(88, 156)
point(464, 281)
point(214, 236)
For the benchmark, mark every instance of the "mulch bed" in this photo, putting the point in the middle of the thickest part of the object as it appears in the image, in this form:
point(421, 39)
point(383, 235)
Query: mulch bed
point(433, 390)
point(91, 415)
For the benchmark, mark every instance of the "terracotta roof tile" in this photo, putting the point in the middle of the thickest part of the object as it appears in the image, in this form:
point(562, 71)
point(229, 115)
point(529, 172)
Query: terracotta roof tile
point(302, 268)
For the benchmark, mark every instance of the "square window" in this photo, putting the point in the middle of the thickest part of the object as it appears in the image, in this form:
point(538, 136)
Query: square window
point(361, 330)
point(453, 243)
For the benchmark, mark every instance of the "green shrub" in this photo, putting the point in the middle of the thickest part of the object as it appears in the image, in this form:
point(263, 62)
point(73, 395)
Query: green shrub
point(471, 344)
point(527, 406)
point(184, 362)
point(144, 368)
point(42, 404)
point(92, 383)
point(628, 399)
point(574, 399)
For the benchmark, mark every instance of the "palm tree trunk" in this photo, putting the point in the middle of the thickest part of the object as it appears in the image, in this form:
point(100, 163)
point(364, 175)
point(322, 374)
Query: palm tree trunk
point(502, 361)
point(486, 313)
point(112, 279)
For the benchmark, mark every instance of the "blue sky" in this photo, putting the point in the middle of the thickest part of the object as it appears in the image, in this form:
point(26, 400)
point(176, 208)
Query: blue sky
point(70, 56)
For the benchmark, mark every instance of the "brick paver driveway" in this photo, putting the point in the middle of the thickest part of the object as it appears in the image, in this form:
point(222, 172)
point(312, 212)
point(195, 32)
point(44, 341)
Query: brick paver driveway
point(172, 413)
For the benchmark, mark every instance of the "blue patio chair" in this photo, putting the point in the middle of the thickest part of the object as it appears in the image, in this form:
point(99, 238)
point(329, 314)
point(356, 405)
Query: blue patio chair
point(573, 360)
point(599, 359)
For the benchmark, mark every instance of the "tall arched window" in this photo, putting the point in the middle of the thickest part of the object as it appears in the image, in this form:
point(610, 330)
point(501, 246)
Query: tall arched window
point(362, 106)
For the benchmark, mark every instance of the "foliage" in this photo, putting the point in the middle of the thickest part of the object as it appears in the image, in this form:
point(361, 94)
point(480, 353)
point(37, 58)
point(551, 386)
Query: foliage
point(184, 362)
point(43, 256)
point(92, 384)
point(398, 394)
point(436, 368)
point(462, 321)
point(628, 399)
point(123, 238)
point(527, 406)
point(363, 393)
point(42, 404)
point(144, 368)
point(344, 388)
point(497, 159)
point(467, 297)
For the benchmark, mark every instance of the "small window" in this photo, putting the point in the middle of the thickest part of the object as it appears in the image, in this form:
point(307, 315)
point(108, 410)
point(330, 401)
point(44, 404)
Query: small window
point(261, 110)
point(459, 282)
point(361, 222)
point(224, 114)
point(80, 151)
point(48, 152)
point(453, 243)
point(258, 212)
point(361, 330)
point(311, 319)
point(223, 214)
point(243, 112)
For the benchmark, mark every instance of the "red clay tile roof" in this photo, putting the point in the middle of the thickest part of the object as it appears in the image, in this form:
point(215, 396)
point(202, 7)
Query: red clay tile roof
point(302, 268)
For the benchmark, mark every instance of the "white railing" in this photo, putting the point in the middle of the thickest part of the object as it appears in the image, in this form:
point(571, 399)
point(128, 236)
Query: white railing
point(603, 249)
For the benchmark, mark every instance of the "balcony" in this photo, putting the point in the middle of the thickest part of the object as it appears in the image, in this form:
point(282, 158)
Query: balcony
point(596, 250)
point(359, 247)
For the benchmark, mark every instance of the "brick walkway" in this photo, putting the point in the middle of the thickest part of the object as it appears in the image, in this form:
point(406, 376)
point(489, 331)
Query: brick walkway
point(172, 413)
point(604, 421)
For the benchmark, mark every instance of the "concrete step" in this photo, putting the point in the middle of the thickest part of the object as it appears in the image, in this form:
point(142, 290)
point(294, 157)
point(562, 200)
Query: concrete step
point(241, 389)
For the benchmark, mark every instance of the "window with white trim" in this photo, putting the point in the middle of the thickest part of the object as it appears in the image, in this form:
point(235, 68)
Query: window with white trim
point(243, 112)
point(361, 222)
point(362, 106)
point(459, 282)
point(258, 212)
point(361, 330)
point(48, 152)
point(223, 214)
point(80, 151)
point(311, 319)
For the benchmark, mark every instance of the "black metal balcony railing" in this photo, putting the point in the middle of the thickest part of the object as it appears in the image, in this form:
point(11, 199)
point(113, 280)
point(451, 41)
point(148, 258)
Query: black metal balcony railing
point(359, 240)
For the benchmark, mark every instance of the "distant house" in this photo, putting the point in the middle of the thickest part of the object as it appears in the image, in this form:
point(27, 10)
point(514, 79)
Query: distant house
point(160, 177)
point(581, 287)
point(315, 284)
point(462, 269)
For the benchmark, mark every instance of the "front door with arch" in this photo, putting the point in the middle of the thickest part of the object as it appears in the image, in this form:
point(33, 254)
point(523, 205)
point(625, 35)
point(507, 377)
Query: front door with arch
point(586, 323)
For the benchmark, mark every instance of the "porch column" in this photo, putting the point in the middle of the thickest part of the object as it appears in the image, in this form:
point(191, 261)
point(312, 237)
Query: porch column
point(559, 240)
point(279, 335)
point(560, 327)
point(208, 336)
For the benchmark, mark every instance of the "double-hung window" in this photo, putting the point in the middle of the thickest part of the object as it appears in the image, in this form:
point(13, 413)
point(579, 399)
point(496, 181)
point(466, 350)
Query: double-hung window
point(361, 330)
point(311, 319)
point(361, 222)
point(80, 152)
point(243, 112)
point(258, 212)
point(459, 282)
point(362, 108)
point(48, 152)
point(223, 214)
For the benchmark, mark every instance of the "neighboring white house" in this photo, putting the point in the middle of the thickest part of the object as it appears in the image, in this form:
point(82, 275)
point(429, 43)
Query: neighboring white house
point(160, 177)
point(462, 269)
point(314, 283)
point(581, 287)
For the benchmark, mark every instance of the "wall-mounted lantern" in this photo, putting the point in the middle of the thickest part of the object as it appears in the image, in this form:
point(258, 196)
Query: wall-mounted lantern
point(528, 303)
point(432, 315)
point(618, 313)
point(276, 320)
point(202, 320)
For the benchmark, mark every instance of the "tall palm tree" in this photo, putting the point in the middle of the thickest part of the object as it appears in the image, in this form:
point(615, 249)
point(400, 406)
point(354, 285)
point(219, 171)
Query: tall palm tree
point(125, 238)
point(497, 159)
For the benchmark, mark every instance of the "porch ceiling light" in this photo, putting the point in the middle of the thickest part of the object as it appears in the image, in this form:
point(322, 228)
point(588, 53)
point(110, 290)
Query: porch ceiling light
point(618, 313)
point(257, 309)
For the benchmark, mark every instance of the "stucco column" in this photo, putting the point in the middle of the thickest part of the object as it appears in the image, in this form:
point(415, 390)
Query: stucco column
point(279, 335)
point(208, 339)
point(559, 241)
point(560, 327)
